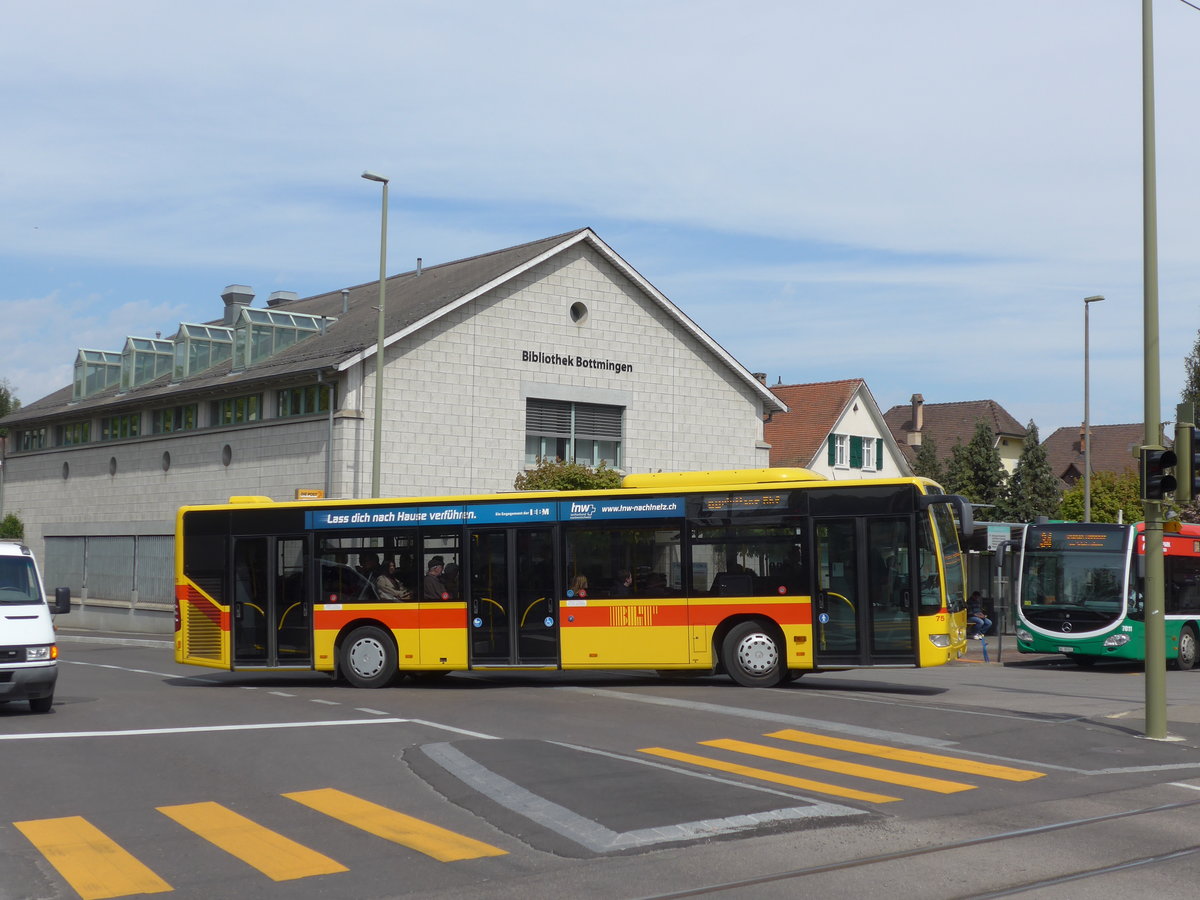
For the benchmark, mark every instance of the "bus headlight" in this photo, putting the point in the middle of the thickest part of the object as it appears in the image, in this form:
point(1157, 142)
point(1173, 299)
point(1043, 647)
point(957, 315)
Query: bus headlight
point(1023, 635)
point(1117, 640)
point(940, 640)
point(38, 654)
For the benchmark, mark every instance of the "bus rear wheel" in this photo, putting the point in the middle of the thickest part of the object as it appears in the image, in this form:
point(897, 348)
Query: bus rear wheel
point(368, 657)
point(752, 656)
point(1188, 649)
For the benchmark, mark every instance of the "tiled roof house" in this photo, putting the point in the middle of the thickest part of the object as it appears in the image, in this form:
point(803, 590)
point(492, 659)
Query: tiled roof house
point(949, 423)
point(1114, 449)
point(835, 428)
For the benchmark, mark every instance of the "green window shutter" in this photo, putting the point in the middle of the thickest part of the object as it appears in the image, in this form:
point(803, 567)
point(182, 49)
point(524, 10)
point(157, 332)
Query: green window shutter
point(855, 452)
point(832, 450)
point(878, 454)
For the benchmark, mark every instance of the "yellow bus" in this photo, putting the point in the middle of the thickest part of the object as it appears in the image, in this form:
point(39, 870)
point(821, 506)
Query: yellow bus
point(762, 574)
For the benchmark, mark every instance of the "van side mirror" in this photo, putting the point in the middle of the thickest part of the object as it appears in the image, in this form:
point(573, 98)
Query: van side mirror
point(62, 601)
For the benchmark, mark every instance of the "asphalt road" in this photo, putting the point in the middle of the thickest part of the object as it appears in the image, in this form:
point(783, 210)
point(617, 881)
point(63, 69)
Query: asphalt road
point(1025, 776)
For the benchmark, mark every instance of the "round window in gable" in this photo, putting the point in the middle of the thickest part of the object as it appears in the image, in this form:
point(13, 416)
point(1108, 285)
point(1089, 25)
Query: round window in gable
point(226, 455)
point(66, 471)
point(112, 465)
point(579, 312)
point(166, 461)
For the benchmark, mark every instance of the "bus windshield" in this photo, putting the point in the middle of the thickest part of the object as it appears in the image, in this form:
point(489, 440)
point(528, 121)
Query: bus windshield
point(1086, 586)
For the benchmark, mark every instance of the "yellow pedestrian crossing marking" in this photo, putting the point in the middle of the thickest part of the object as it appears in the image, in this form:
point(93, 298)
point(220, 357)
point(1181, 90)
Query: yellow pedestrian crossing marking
point(804, 784)
point(440, 843)
point(95, 866)
point(932, 760)
point(858, 770)
point(277, 857)
point(961, 766)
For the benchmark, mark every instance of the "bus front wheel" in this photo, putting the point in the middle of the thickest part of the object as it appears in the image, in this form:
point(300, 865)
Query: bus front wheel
point(368, 657)
point(1188, 649)
point(752, 656)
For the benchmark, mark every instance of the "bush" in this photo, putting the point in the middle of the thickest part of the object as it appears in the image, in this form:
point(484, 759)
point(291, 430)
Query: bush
point(560, 475)
point(12, 527)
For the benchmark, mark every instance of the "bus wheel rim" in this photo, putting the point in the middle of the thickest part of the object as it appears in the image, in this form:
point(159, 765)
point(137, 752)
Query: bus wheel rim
point(366, 657)
point(757, 654)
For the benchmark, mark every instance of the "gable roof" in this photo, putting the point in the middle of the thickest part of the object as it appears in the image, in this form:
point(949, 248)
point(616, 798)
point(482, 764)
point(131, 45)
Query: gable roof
point(813, 410)
point(948, 423)
point(1113, 449)
point(414, 299)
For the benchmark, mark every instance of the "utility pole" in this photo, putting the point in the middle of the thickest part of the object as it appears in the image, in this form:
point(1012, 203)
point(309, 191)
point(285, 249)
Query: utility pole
point(1155, 626)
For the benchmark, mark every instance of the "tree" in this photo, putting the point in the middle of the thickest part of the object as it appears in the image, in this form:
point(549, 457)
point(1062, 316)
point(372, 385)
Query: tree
point(1032, 489)
point(560, 475)
point(975, 470)
point(1111, 494)
point(1191, 384)
point(12, 527)
point(926, 464)
point(8, 402)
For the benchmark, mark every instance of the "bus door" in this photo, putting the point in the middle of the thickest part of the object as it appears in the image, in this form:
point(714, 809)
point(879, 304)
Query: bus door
point(865, 608)
point(272, 606)
point(512, 601)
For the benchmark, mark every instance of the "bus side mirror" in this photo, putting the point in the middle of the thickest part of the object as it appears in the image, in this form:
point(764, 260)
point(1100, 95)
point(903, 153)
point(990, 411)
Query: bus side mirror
point(62, 601)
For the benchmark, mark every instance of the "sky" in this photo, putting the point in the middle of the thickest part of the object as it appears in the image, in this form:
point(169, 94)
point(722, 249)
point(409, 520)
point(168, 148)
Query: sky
point(917, 194)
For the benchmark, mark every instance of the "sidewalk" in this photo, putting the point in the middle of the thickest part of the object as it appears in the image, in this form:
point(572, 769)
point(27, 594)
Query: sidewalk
point(66, 634)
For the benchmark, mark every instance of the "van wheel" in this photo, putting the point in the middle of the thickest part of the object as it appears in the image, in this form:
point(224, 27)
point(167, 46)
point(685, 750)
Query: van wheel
point(41, 704)
point(368, 657)
point(752, 656)
point(1188, 649)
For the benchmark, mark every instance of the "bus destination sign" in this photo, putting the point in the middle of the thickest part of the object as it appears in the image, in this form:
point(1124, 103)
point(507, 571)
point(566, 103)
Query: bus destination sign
point(1075, 537)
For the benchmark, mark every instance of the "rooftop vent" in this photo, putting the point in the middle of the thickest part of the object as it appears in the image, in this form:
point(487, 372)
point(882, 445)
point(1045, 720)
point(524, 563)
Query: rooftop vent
point(279, 297)
point(236, 297)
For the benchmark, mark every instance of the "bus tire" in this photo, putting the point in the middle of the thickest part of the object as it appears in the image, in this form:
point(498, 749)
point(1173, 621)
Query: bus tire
point(752, 655)
point(368, 657)
point(1188, 649)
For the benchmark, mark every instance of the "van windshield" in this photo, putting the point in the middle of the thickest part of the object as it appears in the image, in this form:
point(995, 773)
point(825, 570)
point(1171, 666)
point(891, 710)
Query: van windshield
point(18, 581)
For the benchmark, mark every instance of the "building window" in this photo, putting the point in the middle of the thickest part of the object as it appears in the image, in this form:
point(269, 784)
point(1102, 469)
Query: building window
point(237, 410)
point(73, 433)
point(839, 451)
point(870, 459)
point(304, 401)
point(852, 451)
point(177, 418)
point(576, 432)
point(114, 428)
point(32, 439)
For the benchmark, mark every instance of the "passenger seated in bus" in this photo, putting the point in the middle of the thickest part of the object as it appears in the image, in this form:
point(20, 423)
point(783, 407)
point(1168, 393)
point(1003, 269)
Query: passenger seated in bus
point(367, 564)
point(388, 585)
point(655, 585)
point(450, 580)
point(578, 586)
point(433, 586)
point(624, 584)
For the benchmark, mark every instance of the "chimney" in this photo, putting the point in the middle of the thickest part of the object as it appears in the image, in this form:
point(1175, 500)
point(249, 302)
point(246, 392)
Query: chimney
point(418, 265)
point(278, 297)
point(918, 420)
point(345, 301)
point(760, 377)
point(1082, 437)
point(236, 296)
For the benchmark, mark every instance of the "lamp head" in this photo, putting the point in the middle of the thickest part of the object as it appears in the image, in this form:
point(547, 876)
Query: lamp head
point(371, 176)
point(1085, 299)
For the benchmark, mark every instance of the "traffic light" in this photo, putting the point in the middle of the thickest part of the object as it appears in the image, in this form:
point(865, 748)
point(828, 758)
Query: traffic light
point(1157, 478)
point(1187, 465)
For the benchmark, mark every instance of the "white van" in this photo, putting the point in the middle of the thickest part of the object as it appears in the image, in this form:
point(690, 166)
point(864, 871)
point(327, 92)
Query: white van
point(28, 652)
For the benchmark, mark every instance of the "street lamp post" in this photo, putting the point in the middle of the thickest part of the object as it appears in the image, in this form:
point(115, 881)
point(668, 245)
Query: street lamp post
point(1087, 425)
point(377, 449)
